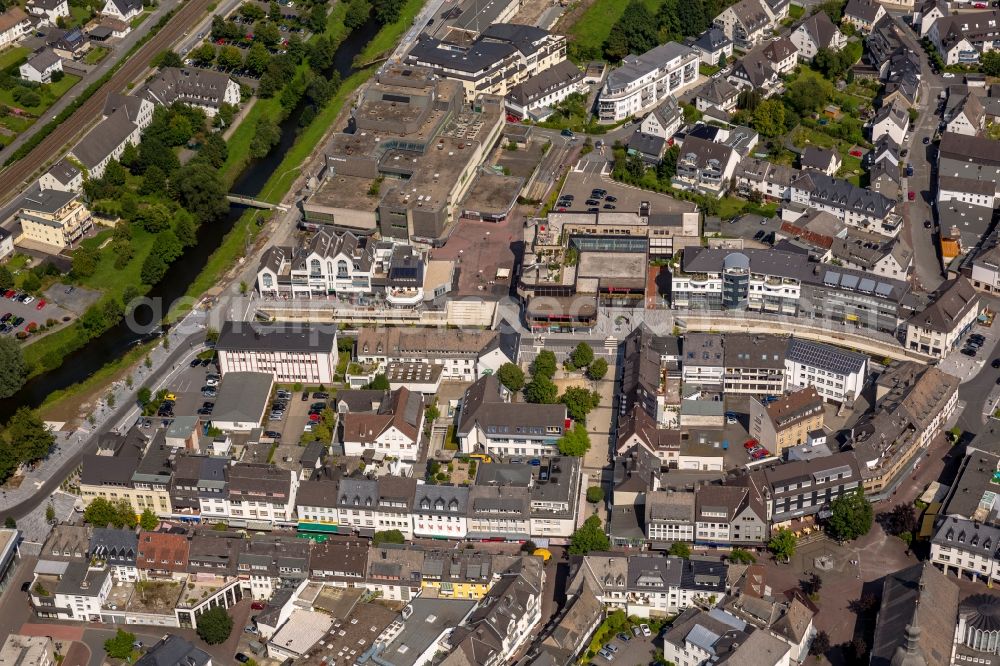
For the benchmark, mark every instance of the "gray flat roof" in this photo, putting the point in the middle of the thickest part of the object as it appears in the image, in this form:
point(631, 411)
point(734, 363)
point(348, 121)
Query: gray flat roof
point(246, 336)
point(242, 396)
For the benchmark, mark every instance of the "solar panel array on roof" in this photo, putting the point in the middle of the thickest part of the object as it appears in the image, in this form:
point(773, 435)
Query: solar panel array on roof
point(703, 638)
point(867, 286)
point(832, 279)
point(849, 281)
point(883, 289)
point(824, 357)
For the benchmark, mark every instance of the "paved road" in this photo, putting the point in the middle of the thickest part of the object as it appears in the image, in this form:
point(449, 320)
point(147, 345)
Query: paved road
point(186, 340)
point(50, 148)
point(927, 263)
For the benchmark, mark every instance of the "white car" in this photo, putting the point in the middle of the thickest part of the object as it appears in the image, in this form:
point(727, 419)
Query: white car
point(28, 299)
point(211, 381)
point(948, 75)
point(645, 630)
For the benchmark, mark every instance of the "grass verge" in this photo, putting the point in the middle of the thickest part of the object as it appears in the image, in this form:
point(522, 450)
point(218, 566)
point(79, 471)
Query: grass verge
point(137, 21)
point(96, 55)
point(13, 56)
point(595, 24)
point(385, 39)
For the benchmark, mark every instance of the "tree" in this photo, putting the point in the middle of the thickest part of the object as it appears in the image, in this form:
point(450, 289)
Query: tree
point(582, 355)
point(200, 189)
point(544, 364)
point(667, 168)
point(634, 32)
point(812, 585)
point(154, 181)
point(540, 390)
point(388, 536)
point(851, 516)
point(989, 63)
point(143, 396)
point(204, 55)
point(31, 283)
point(833, 8)
point(214, 150)
point(740, 556)
point(153, 269)
point(808, 94)
point(152, 151)
point(321, 49)
point(597, 370)
point(28, 439)
point(769, 118)
point(317, 18)
point(229, 57)
point(589, 538)
point(6, 278)
point(900, 520)
point(185, 230)
point(257, 59)
point(85, 261)
point(387, 11)
point(267, 33)
point(820, 644)
point(265, 137)
point(576, 442)
point(10, 523)
point(357, 15)
point(100, 513)
point(167, 59)
point(595, 494)
point(511, 376)
point(580, 402)
point(215, 625)
point(15, 370)
point(119, 646)
point(50, 513)
point(379, 383)
point(782, 544)
point(167, 246)
point(148, 520)
point(680, 549)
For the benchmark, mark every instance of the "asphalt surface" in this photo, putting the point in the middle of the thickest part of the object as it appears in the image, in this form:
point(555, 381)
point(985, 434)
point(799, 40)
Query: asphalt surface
point(49, 149)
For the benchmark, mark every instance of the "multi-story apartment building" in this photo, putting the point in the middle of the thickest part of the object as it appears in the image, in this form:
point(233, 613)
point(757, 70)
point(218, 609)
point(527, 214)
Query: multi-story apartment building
point(463, 354)
point(305, 353)
point(441, 511)
point(747, 22)
point(669, 516)
point(863, 14)
point(53, 219)
point(257, 495)
point(393, 429)
point(705, 166)
point(499, 512)
point(650, 373)
point(815, 33)
point(804, 488)
point(967, 548)
point(203, 89)
point(787, 421)
point(643, 82)
point(855, 206)
point(963, 38)
point(698, 637)
point(703, 361)
point(130, 468)
point(21, 649)
point(913, 403)
point(14, 24)
point(649, 585)
point(487, 423)
point(755, 364)
point(782, 282)
point(730, 516)
point(939, 327)
point(773, 181)
point(124, 118)
point(836, 374)
point(373, 505)
point(501, 57)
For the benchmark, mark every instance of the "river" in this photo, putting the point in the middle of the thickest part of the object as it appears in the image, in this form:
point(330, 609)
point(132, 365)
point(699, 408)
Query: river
point(116, 341)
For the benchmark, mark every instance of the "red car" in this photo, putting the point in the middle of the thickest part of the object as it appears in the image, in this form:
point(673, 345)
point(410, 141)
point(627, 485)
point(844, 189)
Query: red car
point(10, 293)
point(856, 153)
point(911, 195)
point(41, 304)
point(750, 443)
point(257, 605)
point(980, 5)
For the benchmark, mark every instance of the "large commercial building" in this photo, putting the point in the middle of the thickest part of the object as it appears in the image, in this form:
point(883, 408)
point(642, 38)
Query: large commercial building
point(289, 352)
point(53, 219)
point(412, 156)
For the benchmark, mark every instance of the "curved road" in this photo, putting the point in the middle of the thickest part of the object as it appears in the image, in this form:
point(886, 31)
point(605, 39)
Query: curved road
point(16, 174)
point(178, 350)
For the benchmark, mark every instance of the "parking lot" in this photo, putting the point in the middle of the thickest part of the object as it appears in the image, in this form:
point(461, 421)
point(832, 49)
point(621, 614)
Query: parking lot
point(580, 183)
point(966, 367)
point(30, 313)
point(295, 418)
point(635, 651)
point(187, 387)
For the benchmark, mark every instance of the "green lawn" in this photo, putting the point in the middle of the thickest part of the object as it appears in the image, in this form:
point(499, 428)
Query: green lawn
point(48, 93)
point(78, 16)
point(137, 21)
point(96, 55)
point(796, 12)
point(707, 70)
point(386, 38)
point(593, 27)
point(239, 141)
point(11, 56)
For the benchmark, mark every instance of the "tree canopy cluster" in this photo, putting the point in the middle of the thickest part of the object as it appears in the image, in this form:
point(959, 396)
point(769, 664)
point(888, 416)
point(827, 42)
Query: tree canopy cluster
point(589, 538)
point(101, 513)
point(24, 440)
point(851, 516)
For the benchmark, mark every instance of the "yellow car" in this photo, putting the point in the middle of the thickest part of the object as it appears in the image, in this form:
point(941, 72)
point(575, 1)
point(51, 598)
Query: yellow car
point(171, 397)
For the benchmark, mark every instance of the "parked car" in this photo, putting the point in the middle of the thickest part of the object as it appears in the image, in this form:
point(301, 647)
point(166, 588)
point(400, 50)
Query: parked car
point(242, 658)
point(41, 304)
point(927, 224)
point(645, 630)
point(927, 140)
point(27, 298)
point(611, 647)
point(623, 637)
point(195, 362)
point(636, 631)
point(969, 352)
point(948, 75)
point(911, 195)
point(566, 132)
point(996, 363)
point(257, 605)
point(321, 395)
point(535, 462)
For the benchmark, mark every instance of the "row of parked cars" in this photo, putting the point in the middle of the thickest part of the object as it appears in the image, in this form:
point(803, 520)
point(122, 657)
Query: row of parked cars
point(610, 649)
point(593, 201)
point(973, 344)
